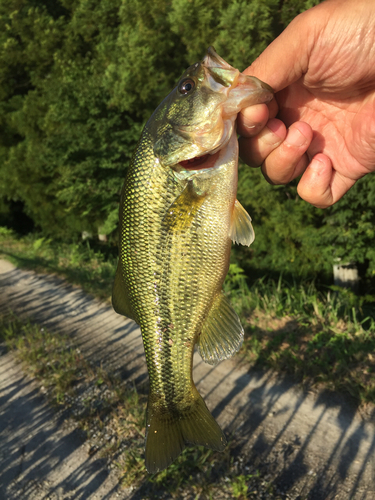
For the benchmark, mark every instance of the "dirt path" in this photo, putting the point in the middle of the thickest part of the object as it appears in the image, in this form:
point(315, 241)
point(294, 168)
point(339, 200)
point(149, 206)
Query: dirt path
point(316, 446)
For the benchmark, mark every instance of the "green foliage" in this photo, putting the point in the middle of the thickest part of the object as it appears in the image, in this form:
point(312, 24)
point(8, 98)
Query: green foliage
point(49, 358)
point(245, 30)
point(78, 79)
point(91, 266)
point(324, 337)
point(148, 58)
point(196, 23)
point(67, 163)
point(287, 230)
point(291, 8)
point(294, 237)
point(348, 232)
point(239, 487)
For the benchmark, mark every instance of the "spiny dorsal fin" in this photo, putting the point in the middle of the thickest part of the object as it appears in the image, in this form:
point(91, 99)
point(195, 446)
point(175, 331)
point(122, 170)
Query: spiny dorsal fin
point(222, 332)
point(120, 299)
point(241, 231)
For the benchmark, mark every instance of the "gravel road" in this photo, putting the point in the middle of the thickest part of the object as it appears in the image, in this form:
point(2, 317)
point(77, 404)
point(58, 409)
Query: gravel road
point(318, 446)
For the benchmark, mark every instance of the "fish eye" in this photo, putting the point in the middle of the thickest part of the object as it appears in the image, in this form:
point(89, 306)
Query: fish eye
point(186, 86)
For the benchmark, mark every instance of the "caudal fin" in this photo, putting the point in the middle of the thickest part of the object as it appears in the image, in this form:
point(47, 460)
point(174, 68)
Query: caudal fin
point(168, 432)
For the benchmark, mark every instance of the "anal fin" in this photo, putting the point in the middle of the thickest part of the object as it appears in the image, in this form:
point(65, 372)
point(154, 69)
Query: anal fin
point(241, 229)
point(222, 333)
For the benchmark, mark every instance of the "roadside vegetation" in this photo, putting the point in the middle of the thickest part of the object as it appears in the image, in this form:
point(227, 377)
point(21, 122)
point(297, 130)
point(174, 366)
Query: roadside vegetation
point(323, 336)
point(110, 412)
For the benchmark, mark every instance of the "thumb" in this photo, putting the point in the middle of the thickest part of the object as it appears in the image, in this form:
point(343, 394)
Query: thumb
point(286, 59)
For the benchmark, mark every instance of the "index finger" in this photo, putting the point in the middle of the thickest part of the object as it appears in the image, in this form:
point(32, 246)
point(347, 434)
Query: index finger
point(251, 120)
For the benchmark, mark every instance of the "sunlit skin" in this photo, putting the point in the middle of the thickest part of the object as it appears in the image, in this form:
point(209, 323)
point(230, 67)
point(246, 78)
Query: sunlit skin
point(321, 124)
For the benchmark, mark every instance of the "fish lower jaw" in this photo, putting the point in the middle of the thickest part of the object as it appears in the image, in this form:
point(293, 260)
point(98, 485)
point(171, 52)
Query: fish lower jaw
point(198, 163)
point(223, 131)
point(210, 163)
point(197, 166)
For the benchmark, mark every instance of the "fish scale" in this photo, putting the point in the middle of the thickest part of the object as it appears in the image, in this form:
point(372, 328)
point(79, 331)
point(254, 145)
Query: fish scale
point(175, 237)
point(167, 303)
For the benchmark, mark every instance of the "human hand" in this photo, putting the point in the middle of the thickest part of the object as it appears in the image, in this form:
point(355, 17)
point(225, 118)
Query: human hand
point(322, 68)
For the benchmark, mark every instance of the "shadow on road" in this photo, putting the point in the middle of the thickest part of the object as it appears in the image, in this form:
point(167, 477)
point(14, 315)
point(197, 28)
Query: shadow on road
point(34, 444)
point(316, 443)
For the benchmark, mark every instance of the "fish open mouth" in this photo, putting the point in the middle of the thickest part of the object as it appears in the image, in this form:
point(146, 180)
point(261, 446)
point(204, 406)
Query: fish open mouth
point(200, 162)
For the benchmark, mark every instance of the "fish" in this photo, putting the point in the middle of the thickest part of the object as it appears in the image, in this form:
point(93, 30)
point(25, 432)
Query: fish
point(178, 218)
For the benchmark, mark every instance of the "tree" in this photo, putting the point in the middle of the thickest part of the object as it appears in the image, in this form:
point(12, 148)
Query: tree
point(79, 78)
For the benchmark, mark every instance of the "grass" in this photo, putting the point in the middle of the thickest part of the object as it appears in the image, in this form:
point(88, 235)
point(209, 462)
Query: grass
point(50, 358)
point(111, 414)
point(320, 336)
point(323, 338)
point(79, 263)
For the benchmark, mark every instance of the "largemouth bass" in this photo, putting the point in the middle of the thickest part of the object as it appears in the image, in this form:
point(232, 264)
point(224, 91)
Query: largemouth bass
point(178, 216)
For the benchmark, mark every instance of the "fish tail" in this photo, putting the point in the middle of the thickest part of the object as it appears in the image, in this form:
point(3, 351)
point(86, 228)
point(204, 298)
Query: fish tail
point(169, 431)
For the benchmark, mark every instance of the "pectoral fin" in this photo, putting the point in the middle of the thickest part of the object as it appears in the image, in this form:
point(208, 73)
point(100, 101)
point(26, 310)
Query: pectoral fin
point(120, 298)
point(241, 230)
point(183, 210)
point(222, 333)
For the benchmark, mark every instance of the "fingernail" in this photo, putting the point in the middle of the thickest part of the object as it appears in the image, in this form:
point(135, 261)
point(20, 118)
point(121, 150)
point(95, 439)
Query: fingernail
point(254, 127)
point(274, 126)
point(295, 137)
point(248, 124)
point(316, 164)
point(250, 127)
